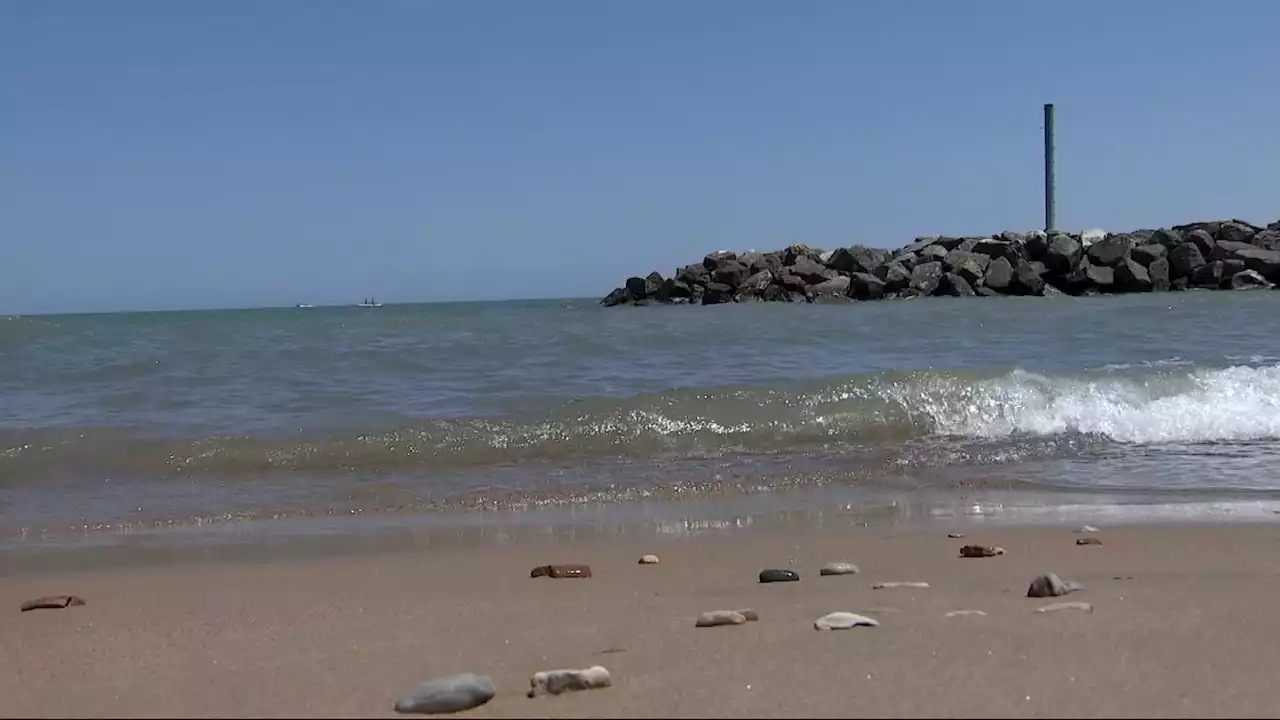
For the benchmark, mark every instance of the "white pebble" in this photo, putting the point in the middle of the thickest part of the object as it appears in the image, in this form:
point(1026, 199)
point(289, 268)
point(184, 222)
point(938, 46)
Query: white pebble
point(892, 585)
point(843, 621)
point(554, 682)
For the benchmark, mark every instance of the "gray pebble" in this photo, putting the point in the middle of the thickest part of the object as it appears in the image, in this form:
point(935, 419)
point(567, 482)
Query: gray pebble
point(839, 568)
point(447, 695)
point(843, 621)
point(1081, 606)
point(1050, 585)
point(892, 585)
point(554, 682)
point(715, 618)
point(965, 613)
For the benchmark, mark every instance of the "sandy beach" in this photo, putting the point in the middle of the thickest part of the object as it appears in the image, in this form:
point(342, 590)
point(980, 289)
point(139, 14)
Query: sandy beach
point(1183, 625)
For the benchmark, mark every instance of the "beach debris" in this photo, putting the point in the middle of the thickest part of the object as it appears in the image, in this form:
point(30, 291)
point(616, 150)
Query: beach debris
point(447, 695)
point(715, 618)
point(978, 551)
point(561, 571)
point(1081, 606)
point(893, 585)
point(839, 568)
point(966, 613)
point(1086, 529)
point(649, 560)
point(554, 682)
point(844, 621)
point(749, 614)
point(955, 536)
point(1122, 577)
point(1088, 541)
point(1050, 585)
point(775, 575)
point(52, 602)
point(611, 651)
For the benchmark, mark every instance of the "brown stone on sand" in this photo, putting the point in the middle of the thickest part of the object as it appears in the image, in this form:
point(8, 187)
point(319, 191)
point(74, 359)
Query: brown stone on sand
point(52, 602)
point(561, 571)
point(978, 551)
point(1088, 541)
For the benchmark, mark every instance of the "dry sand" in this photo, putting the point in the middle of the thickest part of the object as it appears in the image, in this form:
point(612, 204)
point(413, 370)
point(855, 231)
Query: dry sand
point(1191, 630)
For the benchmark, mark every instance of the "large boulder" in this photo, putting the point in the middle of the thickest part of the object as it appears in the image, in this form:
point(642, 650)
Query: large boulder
point(1204, 242)
point(1037, 245)
point(715, 259)
point(1028, 278)
point(969, 265)
point(1264, 262)
point(619, 296)
point(1267, 239)
point(1170, 239)
point(864, 286)
point(1008, 246)
point(717, 293)
point(999, 275)
point(1209, 275)
point(925, 277)
point(933, 253)
point(760, 262)
point(1131, 276)
point(1235, 231)
point(731, 273)
point(1109, 251)
point(895, 276)
point(955, 285)
point(858, 259)
point(1147, 254)
point(694, 275)
point(757, 283)
point(836, 287)
point(1158, 271)
point(1063, 254)
point(795, 253)
point(1100, 276)
point(640, 288)
point(812, 271)
point(1249, 280)
point(1184, 260)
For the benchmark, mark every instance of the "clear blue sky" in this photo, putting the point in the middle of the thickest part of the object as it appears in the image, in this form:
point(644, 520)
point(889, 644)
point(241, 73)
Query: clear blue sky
point(210, 154)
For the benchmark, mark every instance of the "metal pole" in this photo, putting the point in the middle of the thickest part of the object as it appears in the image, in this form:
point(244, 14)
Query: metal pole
point(1048, 169)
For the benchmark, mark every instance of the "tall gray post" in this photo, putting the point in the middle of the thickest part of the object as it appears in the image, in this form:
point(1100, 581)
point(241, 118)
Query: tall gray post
point(1048, 169)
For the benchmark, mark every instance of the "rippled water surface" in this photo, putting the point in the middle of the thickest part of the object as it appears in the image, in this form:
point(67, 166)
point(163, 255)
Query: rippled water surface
point(189, 419)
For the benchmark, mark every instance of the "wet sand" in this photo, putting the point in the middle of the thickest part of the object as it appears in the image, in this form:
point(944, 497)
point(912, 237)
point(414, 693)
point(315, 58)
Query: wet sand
point(1184, 625)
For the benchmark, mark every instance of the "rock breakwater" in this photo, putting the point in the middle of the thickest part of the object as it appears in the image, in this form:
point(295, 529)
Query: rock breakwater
point(1216, 255)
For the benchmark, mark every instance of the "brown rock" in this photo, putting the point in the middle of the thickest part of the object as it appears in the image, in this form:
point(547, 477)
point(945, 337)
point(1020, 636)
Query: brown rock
point(52, 602)
point(561, 571)
point(978, 551)
point(1088, 541)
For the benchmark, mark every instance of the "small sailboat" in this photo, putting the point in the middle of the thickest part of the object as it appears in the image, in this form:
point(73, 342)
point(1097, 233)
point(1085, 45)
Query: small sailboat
point(370, 303)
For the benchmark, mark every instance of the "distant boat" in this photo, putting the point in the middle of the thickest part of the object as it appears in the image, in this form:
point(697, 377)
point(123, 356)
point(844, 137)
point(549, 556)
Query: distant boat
point(369, 302)
point(304, 305)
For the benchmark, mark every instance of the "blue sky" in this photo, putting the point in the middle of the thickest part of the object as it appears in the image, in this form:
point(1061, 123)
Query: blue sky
point(214, 154)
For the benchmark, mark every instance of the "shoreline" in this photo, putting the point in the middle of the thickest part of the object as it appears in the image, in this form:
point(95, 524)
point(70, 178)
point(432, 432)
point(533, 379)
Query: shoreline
point(1181, 626)
point(660, 521)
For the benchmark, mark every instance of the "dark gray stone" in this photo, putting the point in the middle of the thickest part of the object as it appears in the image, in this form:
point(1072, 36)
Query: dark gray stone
point(969, 265)
point(1109, 251)
point(1249, 280)
point(1131, 276)
point(1147, 254)
point(863, 286)
point(713, 260)
point(717, 294)
point(775, 575)
point(1264, 262)
point(1184, 260)
point(1158, 271)
point(1064, 254)
point(1050, 585)
point(925, 277)
point(954, 285)
point(999, 275)
point(447, 695)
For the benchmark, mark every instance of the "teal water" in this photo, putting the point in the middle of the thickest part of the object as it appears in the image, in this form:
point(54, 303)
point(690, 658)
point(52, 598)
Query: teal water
point(238, 418)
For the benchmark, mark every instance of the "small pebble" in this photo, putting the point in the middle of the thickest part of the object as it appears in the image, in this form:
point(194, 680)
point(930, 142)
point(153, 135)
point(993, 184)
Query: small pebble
point(554, 682)
point(1081, 606)
point(649, 560)
point(955, 536)
point(447, 695)
point(1088, 541)
point(964, 613)
point(843, 621)
point(772, 576)
point(892, 585)
point(52, 602)
point(1087, 529)
point(1050, 585)
point(839, 568)
point(561, 571)
point(978, 551)
point(715, 618)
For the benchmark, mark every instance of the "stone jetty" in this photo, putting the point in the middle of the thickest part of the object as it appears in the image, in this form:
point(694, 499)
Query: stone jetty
point(1216, 255)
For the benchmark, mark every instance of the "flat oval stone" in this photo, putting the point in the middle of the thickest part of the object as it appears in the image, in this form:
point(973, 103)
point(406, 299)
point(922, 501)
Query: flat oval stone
point(979, 551)
point(966, 613)
point(1055, 607)
point(447, 695)
point(561, 571)
point(1088, 541)
point(554, 682)
point(893, 585)
point(716, 618)
point(772, 576)
point(839, 568)
point(843, 621)
point(52, 602)
point(649, 560)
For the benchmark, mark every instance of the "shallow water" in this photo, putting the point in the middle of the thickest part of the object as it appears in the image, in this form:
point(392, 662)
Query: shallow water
point(119, 424)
